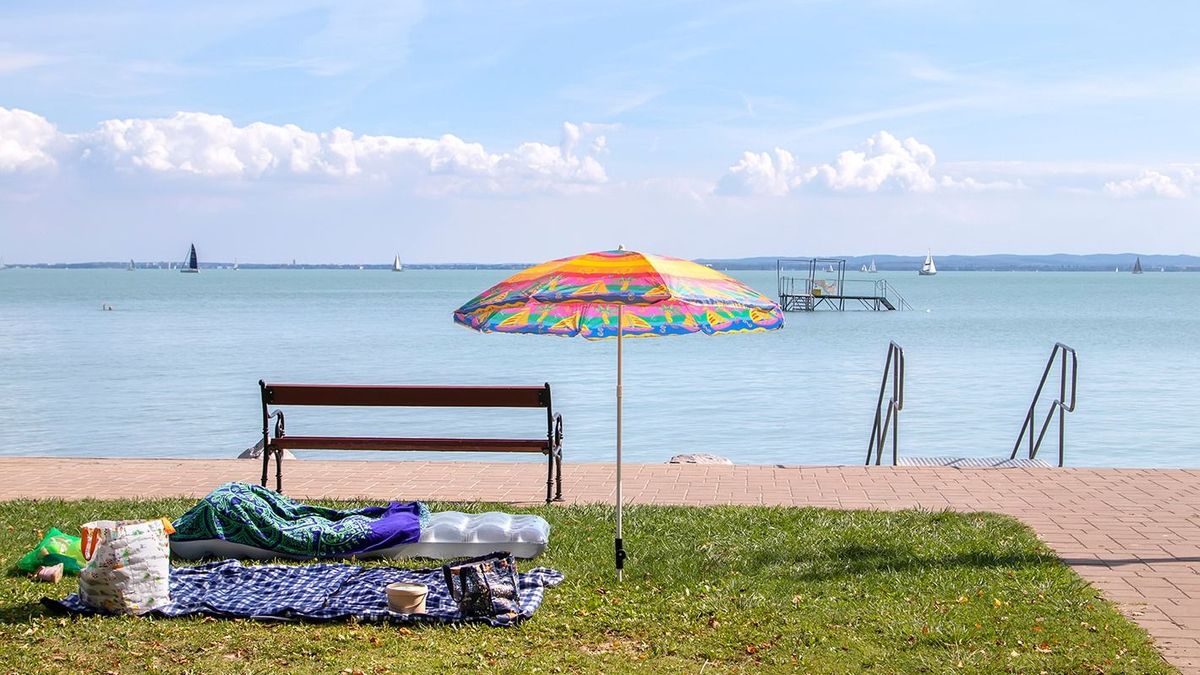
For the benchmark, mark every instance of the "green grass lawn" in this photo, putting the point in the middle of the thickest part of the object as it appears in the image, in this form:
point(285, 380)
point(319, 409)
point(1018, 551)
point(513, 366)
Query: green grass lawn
point(715, 589)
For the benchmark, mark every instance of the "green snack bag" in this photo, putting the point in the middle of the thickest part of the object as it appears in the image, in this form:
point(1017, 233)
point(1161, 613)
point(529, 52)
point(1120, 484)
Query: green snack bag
point(56, 547)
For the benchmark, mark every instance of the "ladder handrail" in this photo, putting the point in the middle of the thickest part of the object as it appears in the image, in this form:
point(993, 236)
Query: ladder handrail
point(886, 290)
point(1059, 352)
point(894, 366)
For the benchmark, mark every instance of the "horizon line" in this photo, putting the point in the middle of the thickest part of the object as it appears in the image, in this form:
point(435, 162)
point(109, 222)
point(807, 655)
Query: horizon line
point(151, 264)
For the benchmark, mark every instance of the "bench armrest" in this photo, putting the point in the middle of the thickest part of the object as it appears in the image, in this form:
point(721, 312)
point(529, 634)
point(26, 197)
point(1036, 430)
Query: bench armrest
point(556, 460)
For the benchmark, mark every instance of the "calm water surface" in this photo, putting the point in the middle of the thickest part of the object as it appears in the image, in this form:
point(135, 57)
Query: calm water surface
point(173, 370)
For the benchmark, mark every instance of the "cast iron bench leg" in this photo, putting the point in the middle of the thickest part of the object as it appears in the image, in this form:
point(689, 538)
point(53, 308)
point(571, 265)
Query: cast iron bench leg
point(558, 475)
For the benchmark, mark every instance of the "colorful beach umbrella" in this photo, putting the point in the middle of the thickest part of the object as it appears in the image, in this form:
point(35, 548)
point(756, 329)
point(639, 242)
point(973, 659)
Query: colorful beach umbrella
point(613, 294)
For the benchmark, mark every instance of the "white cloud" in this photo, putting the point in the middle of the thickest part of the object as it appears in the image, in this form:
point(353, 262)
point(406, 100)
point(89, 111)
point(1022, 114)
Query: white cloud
point(26, 141)
point(884, 163)
point(212, 146)
point(759, 173)
point(1156, 184)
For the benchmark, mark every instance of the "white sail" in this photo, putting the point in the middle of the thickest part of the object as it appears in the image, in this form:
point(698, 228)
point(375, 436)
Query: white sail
point(396, 266)
point(235, 264)
point(872, 268)
point(928, 269)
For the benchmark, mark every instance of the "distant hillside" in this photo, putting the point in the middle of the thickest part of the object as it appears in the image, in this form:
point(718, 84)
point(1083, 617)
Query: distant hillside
point(1000, 262)
point(274, 266)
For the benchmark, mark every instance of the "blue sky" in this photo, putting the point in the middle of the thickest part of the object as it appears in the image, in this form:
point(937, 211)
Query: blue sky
point(519, 131)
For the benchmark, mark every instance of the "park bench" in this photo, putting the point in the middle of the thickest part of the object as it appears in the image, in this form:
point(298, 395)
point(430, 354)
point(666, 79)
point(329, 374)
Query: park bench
point(410, 396)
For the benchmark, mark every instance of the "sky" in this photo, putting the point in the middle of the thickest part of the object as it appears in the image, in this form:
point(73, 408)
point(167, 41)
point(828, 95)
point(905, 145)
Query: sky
point(350, 131)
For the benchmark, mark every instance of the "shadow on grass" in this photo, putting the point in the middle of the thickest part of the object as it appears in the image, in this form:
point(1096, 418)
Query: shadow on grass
point(858, 559)
point(21, 613)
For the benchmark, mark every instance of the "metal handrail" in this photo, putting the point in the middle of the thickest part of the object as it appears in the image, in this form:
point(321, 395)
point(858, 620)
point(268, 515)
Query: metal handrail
point(903, 303)
point(886, 290)
point(894, 366)
point(1060, 404)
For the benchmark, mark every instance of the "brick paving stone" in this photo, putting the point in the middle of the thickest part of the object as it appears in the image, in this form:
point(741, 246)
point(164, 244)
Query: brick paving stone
point(1113, 526)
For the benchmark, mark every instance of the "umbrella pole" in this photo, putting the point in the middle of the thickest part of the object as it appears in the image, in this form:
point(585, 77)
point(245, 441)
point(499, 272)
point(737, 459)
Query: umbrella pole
point(620, 546)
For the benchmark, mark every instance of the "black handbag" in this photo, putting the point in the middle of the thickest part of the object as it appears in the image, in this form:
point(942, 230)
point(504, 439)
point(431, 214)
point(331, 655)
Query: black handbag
point(485, 586)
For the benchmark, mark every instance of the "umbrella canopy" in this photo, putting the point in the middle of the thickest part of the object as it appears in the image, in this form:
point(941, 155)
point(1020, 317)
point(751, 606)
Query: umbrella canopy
point(656, 295)
point(616, 293)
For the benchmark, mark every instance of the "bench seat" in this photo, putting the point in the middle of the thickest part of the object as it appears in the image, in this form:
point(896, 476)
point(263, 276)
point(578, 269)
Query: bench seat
point(417, 396)
point(538, 445)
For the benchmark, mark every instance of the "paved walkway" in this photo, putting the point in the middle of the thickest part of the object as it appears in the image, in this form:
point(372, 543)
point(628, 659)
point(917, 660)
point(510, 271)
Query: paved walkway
point(1135, 534)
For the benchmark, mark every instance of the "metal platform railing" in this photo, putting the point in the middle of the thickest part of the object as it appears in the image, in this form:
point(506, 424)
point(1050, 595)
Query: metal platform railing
point(894, 367)
point(799, 294)
point(809, 284)
point(1060, 404)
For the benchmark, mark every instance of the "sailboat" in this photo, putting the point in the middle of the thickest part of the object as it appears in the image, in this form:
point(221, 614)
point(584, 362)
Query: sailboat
point(2, 265)
point(928, 269)
point(1137, 265)
point(130, 268)
point(872, 269)
point(235, 265)
point(396, 266)
point(192, 264)
point(864, 268)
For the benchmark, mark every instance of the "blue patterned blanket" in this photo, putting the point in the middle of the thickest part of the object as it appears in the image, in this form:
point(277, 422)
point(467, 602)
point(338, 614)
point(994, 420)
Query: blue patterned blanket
point(257, 516)
point(228, 589)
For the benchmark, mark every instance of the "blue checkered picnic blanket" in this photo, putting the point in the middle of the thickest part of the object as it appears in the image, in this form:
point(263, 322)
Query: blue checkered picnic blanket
point(229, 589)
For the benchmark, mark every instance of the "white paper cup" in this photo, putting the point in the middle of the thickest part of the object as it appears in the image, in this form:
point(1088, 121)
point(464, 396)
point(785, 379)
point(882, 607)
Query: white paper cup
point(407, 598)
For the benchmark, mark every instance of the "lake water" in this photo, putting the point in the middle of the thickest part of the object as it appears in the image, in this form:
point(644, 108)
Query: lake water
point(172, 371)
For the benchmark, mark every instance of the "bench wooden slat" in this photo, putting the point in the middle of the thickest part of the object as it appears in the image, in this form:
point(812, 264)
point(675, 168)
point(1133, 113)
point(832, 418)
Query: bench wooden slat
point(405, 395)
point(413, 444)
point(417, 396)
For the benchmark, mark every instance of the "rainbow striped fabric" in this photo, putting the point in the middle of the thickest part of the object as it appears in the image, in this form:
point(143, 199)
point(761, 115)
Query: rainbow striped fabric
point(581, 295)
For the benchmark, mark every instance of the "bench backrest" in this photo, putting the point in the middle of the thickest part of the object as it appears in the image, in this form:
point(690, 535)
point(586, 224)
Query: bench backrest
point(406, 395)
